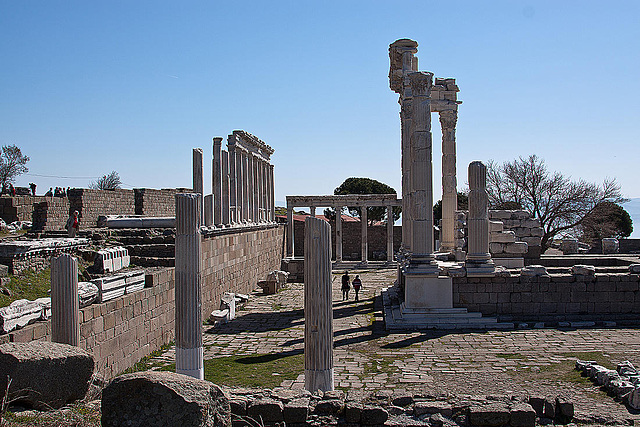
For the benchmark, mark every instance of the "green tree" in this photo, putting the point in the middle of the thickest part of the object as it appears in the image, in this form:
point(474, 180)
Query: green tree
point(607, 219)
point(12, 164)
point(463, 205)
point(365, 186)
point(107, 182)
point(560, 203)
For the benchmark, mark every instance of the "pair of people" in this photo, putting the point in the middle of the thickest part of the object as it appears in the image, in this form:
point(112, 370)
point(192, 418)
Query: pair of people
point(346, 286)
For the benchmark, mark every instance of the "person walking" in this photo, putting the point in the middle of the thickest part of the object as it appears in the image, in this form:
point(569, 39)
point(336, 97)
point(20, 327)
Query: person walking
point(73, 224)
point(345, 286)
point(357, 284)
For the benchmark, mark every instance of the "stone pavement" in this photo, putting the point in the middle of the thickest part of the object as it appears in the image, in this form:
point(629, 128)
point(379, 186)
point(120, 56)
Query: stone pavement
point(367, 358)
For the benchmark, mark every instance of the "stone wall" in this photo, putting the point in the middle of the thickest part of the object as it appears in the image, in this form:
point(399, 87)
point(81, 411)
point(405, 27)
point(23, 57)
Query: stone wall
point(629, 246)
point(351, 240)
point(151, 202)
point(606, 296)
point(18, 208)
point(50, 214)
point(93, 203)
point(235, 259)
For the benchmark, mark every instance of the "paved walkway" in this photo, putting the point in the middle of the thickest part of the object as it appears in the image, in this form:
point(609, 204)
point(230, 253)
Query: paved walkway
point(524, 362)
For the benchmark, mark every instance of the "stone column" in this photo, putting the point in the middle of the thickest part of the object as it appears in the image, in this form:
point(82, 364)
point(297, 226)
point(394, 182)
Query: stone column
point(226, 215)
point(250, 187)
point(208, 210)
point(312, 211)
point(245, 187)
point(318, 310)
point(478, 263)
point(338, 233)
point(421, 174)
point(290, 227)
point(217, 181)
point(448, 119)
point(233, 198)
point(389, 233)
point(65, 308)
point(256, 189)
point(265, 192)
point(188, 287)
point(272, 193)
point(364, 242)
point(198, 183)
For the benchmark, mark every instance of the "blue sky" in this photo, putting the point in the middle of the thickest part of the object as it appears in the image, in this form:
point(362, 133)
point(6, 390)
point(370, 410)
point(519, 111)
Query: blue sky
point(133, 86)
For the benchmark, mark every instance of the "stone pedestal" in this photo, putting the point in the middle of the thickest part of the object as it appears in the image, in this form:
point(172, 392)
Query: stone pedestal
point(318, 310)
point(188, 287)
point(478, 263)
point(426, 292)
point(65, 306)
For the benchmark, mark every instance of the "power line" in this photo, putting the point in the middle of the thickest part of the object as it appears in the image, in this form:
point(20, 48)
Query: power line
point(64, 177)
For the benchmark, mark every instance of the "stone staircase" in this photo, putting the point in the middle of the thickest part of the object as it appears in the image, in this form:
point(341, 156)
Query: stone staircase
point(397, 317)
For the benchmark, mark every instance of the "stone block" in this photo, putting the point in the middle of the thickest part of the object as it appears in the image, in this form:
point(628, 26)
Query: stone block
point(504, 237)
point(491, 415)
point(353, 412)
point(296, 411)
point(329, 407)
point(373, 415)
point(432, 407)
point(68, 373)
point(532, 241)
point(564, 410)
point(516, 248)
point(164, 399)
point(522, 415)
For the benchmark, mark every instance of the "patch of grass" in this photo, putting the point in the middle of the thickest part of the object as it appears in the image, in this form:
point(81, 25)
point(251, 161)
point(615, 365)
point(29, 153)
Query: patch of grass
point(76, 415)
point(276, 306)
point(251, 371)
point(28, 285)
point(145, 363)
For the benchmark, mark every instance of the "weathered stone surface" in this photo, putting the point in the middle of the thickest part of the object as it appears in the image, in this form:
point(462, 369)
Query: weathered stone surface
point(296, 411)
point(405, 400)
point(534, 270)
point(584, 270)
point(522, 415)
point(373, 415)
point(269, 410)
point(564, 409)
point(634, 268)
point(239, 405)
point(19, 314)
point(492, 415)
point(164, 399)
point(435, 407)
point(353, 412)
point(68, 373)
point(329, 407)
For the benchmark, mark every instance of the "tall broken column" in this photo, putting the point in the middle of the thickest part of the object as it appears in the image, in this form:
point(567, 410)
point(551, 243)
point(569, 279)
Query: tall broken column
point(216, 181)
point(65, 308)
point(198, 183)
point(188, 287)
point(226, 209)
point(478, 263)
point(318, 310)
point(448, 120)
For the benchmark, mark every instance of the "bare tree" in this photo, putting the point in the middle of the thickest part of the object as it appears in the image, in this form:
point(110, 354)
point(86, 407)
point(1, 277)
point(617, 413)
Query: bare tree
point(12, 164)
point(558, 202)
point(107, 182)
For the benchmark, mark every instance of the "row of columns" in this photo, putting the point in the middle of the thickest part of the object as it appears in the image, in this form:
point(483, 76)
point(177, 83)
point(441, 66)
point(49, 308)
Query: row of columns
point(242, 186)
point(363, 234)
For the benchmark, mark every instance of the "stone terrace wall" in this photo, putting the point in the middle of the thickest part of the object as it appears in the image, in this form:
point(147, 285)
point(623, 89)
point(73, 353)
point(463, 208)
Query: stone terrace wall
point(607, 296)
point(150, 202)
point(18, 208)
point(235, 259)
point(120, 332)
point(93, 203)
point(50, 214)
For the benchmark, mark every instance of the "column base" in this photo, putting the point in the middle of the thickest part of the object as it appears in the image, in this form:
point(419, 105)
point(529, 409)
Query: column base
point(486, 269)
point(424, 292)
point(190, 362)
point(318, 379)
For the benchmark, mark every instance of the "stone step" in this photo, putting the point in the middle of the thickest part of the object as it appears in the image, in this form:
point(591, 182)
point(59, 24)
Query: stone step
point(459, 326)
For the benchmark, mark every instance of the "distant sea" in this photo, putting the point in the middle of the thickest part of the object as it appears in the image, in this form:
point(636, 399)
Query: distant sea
point(633, 207)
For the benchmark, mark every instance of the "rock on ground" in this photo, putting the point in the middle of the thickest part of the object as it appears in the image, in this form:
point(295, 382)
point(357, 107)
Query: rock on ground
point(164, 399)
point(45, 375)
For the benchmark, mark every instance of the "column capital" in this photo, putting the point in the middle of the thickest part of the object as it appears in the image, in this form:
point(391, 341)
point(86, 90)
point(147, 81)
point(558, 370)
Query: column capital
point(448, 119)
point(217, 140)
point(421, 82)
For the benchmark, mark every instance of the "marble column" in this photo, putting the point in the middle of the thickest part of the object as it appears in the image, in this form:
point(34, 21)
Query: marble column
point(65, 308)
point(208, 210)
point(265, 192)
point(422, 244)
point(448, 119)
point(256, 189)
point(318, 309)
point(217, 181)
point(233, 198)
point(198, 176)
point(312, 211)
point(272, 193)
point(226, 214)
point(478, 263)
point(245, 187)
point(290, 226)
point(250, 188)
point(365, 243)
point(188, 287)
point(389, 233)
point(338, 233)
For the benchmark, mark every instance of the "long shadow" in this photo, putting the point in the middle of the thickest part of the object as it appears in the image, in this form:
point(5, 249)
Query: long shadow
point(250, 360)
point(260, 322)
